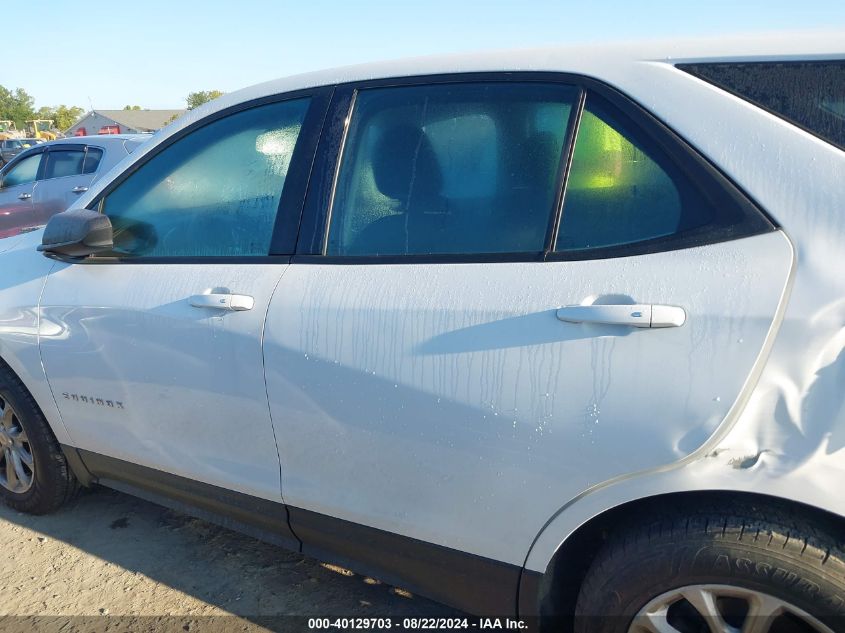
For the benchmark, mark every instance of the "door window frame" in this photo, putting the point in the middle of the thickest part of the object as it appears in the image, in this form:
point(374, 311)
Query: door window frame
point(39, 175)
point(313, 235)
point(300, 231)
point(70, 147)
point(291, 199)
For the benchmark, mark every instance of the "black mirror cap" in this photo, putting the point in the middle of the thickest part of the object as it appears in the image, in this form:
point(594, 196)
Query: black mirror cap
point(77, 233)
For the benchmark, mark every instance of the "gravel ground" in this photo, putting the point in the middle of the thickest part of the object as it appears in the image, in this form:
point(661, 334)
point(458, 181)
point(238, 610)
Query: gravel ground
point(110, 562)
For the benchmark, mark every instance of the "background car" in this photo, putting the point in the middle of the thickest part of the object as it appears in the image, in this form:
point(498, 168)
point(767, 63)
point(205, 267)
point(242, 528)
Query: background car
point(10, 148)
point(46, 178)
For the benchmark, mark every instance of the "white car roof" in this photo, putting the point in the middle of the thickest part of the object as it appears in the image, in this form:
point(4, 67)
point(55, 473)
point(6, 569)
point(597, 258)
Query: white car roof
point(100, 139)
point(591, 60)
point(633, 67)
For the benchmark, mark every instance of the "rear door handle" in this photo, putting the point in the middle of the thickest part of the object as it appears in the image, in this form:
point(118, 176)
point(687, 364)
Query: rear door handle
point(637, 315)
point(25, 196)
point(235, 303)
point(79, 189)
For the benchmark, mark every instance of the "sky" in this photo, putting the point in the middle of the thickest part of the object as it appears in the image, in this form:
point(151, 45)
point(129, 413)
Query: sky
point(108, 54)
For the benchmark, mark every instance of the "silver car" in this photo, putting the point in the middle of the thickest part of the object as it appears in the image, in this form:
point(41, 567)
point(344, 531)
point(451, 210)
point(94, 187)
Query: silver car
point(48, 177)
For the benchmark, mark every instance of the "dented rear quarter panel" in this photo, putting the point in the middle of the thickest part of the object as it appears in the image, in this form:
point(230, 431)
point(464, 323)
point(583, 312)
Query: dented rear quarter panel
point(786, 435)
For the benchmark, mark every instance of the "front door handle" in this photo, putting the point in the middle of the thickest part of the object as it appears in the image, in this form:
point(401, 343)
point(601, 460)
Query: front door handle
point(235, 303)
point(79, 189)
point(636, 315)
point(25, 196)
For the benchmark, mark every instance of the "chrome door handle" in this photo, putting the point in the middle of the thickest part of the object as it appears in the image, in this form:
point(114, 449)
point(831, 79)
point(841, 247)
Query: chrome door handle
point(637, 315)
point(235, 303)
point(25, 196)
point(79, 189)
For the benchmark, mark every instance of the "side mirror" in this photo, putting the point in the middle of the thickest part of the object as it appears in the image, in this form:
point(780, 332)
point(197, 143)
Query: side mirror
point(77, 233)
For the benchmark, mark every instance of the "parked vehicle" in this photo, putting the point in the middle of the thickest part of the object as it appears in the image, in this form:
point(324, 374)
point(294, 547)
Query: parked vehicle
point(8, 130)
point(43, 129)
point(47, 178)
point(555, 332)
point(9, 149)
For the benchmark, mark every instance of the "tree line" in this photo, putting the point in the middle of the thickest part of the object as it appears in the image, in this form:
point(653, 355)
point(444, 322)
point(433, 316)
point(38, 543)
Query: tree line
point(19, 106)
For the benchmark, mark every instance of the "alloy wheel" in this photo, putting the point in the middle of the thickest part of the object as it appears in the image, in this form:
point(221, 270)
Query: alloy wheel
point(17, 466)
point(722, 609)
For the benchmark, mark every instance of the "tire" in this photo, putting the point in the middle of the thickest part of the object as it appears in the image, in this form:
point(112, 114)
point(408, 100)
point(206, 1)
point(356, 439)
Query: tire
point(723, 559)
point(46, 482)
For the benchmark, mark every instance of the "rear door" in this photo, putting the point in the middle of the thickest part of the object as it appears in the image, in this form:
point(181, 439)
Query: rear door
point(17, 185)
point(458, 349)
point(156, 359)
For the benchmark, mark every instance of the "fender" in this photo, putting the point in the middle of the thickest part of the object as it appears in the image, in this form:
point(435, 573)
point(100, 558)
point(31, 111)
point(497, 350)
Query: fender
point(25, 271)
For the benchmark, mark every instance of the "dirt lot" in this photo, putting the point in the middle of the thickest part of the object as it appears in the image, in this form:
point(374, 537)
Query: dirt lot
point(110, 562)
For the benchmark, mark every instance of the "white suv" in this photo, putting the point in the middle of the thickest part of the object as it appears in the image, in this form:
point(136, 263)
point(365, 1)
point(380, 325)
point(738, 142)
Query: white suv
point(549, 333)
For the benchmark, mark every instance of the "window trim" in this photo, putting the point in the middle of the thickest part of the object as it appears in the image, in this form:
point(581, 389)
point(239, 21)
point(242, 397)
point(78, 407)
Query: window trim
point(70, 147)
point(39, 174)
point(291, 200)
point(302, 241)
point(313, 235)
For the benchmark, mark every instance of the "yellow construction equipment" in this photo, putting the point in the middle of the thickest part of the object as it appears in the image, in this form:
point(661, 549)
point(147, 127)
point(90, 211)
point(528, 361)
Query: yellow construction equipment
point(41, 128)
point(9, 131)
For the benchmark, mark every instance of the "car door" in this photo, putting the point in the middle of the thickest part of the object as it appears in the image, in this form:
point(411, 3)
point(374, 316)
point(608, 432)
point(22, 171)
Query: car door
point(451, 360)
point(18, 182)
point(155, 358)
point(68, 172)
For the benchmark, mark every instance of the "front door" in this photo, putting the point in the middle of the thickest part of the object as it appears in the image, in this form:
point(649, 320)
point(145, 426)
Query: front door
point(17, 186)
point(155, 357)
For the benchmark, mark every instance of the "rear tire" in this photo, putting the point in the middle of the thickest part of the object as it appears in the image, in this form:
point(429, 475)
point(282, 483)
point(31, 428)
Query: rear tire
point(725, 560)
point(34, 473)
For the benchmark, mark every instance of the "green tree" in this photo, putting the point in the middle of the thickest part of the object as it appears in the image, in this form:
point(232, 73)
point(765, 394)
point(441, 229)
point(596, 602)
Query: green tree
point(65, 116)
point(135, 107)
point(62, 116)
point(196, 99)
point(17, 105)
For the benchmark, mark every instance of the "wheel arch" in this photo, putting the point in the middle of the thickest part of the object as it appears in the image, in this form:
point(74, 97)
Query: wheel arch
point(39, 389)
point(552, 593)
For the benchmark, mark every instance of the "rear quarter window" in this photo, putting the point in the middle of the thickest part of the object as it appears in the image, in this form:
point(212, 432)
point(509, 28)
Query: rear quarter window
point(809, 94)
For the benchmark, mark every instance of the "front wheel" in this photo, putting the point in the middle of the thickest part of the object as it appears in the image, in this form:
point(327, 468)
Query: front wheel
point(735, 569)
point(34, 474)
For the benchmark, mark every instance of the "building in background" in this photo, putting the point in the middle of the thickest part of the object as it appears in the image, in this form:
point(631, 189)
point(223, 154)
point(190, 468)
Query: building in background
point(122, 121)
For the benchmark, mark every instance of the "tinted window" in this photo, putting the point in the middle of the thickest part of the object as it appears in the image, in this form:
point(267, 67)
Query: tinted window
point(214, 192)
point(92, 160)
point(809, 94)
point(61, 163)
point(622, 188)
point(25, 171)
point(450, 168)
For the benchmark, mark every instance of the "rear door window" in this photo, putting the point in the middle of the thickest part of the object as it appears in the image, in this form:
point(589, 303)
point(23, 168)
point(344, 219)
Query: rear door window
point(64, 162)
point(93, 156)
point(622, 188)
point(459, 168)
